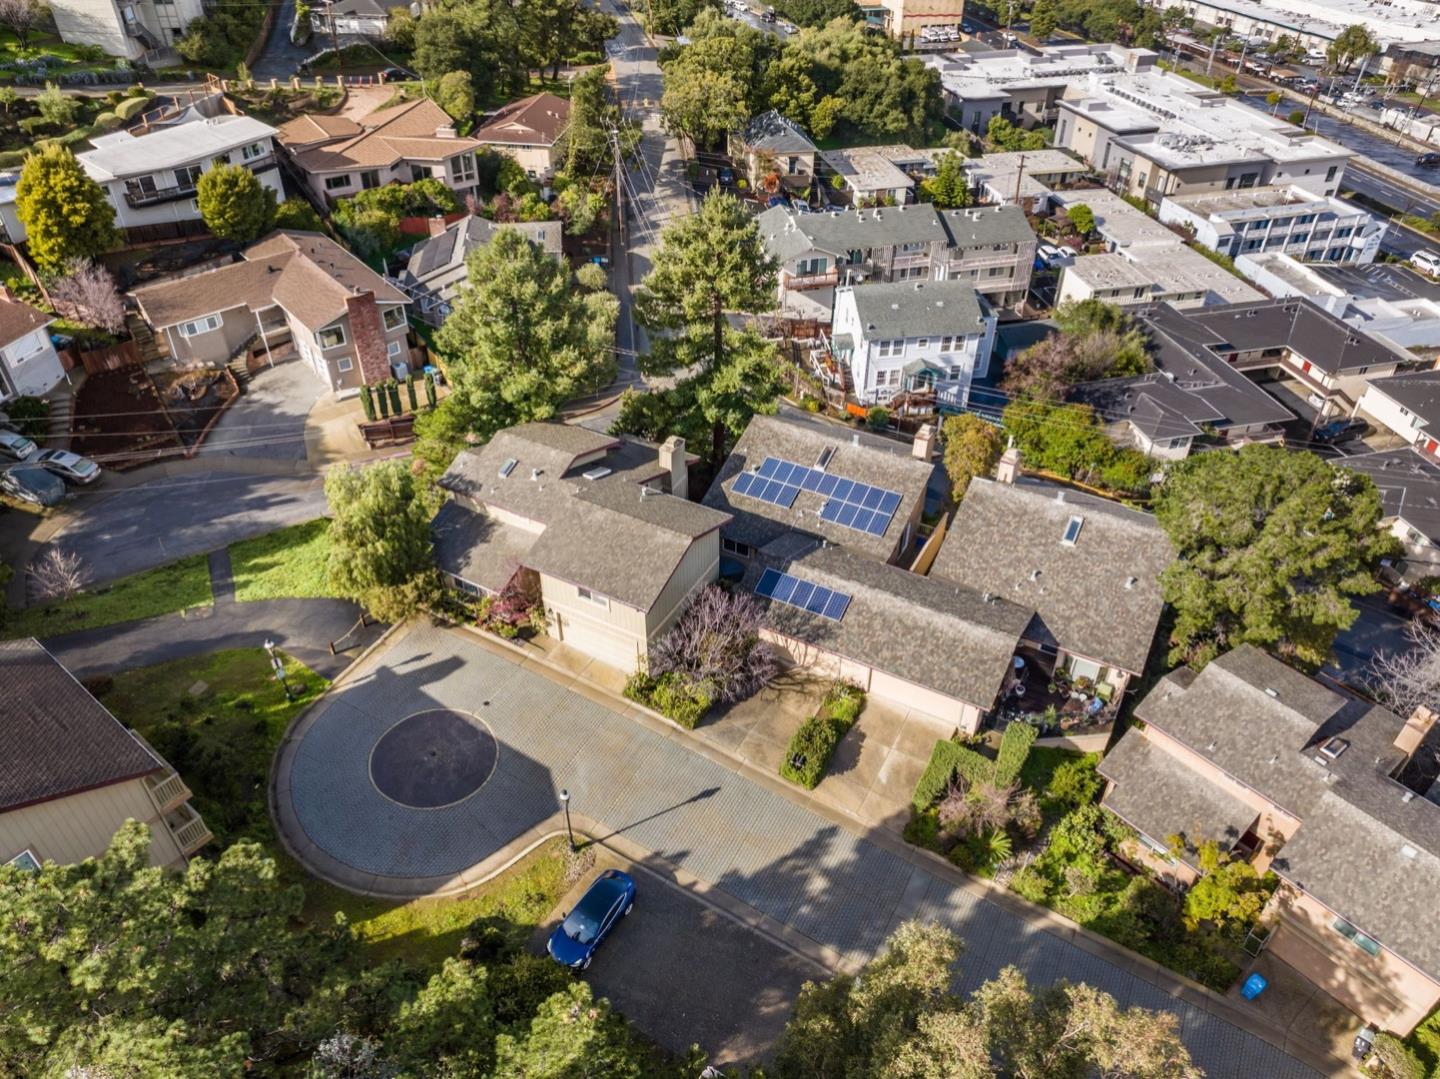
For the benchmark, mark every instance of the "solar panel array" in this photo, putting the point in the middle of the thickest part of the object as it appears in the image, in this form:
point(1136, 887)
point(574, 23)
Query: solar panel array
point(817, 599)
point(848, 502)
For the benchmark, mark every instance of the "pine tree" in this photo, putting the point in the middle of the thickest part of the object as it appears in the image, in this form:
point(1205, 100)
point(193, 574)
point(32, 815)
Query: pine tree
point(380, 552)
point(709, 265)
point(65, 213)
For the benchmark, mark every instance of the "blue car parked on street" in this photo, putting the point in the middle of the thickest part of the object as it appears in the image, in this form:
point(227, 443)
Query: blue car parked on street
point(604, 903)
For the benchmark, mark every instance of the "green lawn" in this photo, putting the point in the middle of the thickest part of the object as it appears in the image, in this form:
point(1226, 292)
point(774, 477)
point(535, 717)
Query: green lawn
point(222, 740)
point(289, 563)
point(179, 585)
point(1424, 1041)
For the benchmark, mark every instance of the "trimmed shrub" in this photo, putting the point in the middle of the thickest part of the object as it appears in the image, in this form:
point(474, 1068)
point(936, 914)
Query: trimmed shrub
point(392, 388)
point(679, 699)
point(844, 702)
point(947, 759)
point(382, 401)
point(429, 390)
point(367, 404)
point(809, 750)
point(33, 125)
point(1014, 748)
point(106, 121)
point(131, 107)
point(29, 415)
point(410, 390)
point(12, 159)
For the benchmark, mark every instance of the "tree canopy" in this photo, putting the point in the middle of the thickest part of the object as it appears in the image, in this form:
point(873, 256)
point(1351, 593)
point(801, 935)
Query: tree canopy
point(1070, 441)
point(949, 188)
point(972, 448)
point(899, 1019)
point(1352, 44)
point(234, 204)
point(710, 264)
point(521, 339)
point(380, 548)
point(1270, 545)
point(65, 213)
point(1095, 340)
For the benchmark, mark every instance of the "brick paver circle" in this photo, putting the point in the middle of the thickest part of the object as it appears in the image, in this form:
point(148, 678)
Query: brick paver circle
point(433, 759)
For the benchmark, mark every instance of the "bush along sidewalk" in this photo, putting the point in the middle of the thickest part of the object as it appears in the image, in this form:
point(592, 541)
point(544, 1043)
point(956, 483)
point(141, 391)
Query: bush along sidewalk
point(808, 754)
point(674, 695)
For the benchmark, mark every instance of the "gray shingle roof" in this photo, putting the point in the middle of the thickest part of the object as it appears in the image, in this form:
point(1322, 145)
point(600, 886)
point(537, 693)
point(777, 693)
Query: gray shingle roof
point(1156, 406)
point(978, 226)
point(1409, 485)
point(787, 234)
point(1419, 391)
point(757, 523)
point(911, 308)
point(1298, 324)
point(477, 547)
point(55, 738)
point(1367, 848)
point(1191, 806)
point(927, 632)
point(600, 533)
point(773, 132)
point(438, 262)
point(1003, 533)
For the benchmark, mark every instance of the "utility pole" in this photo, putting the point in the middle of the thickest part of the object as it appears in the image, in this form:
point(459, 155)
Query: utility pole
point(1019, 175)
point(619, 192)
point(1214, 44)
point(335, 40)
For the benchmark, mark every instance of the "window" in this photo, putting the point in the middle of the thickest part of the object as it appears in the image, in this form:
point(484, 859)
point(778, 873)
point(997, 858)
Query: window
point(345, 363)
point(1355, 937)
point(26, 860)
point(809, 267)
point(593, 597)
point(188, 176)
point(330, 338)
point(947, 344)
point(335, 183)
point(890, 348)
point(1330, 173)
point(462, 169)
point(251, 152)
point(370, 178)
point(735, 547)
point(393, 349)
point(199, 326)
point(924, 342)
point(394, 317)
point(998, 271)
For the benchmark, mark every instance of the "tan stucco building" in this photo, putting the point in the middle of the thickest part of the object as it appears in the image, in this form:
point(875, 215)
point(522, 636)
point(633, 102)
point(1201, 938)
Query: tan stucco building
point(71, 775)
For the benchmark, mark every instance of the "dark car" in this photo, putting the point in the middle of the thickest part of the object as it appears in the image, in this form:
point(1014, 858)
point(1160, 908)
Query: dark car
point(1341, 430)
point(1428, 161)
point(604, 903)
point(31, 484)
point(398, 74)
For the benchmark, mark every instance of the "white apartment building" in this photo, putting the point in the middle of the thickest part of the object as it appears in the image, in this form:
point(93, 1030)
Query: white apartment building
point(1285, 220)
point(913, 335)
point(1024, 86)
point(1154, 134)
point(1315, 23)
point(150, 179)
point(128, 28)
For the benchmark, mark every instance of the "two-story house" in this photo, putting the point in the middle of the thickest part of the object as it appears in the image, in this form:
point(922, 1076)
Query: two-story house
point(438, 265)
point(29, 366)
point(991, 248)
point(71, 775)
point(292, 290)
point(600, 524)
point(1325, 790)
point(528, 131)
point(150, 178)
point(1408, 405)
point(770, 144)
point(1409, 485)
point(911, 335)
point(339, 157)
point(360, 18)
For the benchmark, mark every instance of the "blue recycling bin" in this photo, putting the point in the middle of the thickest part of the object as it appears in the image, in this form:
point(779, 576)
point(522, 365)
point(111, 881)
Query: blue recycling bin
point(1253, 987)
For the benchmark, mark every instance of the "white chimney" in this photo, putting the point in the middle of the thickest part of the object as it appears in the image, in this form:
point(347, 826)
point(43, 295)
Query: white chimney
point(672, 460)
point(1009, 466)
point(923, 448)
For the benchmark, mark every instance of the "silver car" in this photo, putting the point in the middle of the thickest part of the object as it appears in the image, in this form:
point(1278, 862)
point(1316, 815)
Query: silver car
point(67, 465)
point(15, 446)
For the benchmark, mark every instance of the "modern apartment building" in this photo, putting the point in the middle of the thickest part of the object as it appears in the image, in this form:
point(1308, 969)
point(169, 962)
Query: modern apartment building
point(1288, 220)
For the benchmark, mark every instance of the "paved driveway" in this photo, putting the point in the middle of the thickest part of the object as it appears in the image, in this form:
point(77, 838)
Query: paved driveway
point(269, 418)
point(842, 891)
point(128, 529)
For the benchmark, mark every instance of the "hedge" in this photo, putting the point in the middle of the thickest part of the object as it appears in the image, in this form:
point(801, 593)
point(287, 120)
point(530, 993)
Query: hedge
point(131, 107)
point(818, 736)
point(674, 697)
point(1014, 748)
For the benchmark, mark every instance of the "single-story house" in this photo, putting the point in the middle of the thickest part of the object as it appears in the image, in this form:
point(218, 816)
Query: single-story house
point(339, 157)
point(361, 18)
point(527, 130)
point(437, 266)
point(1325, 790)
point(1089, 568)
point(869, 173)
point(71, 775)
point(29, 366)
point(788, 474)
point(346, 321)
point(602, 523)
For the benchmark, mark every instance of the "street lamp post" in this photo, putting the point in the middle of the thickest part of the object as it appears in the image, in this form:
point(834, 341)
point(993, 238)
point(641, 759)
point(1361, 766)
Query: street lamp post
point(565, 803)
point(279, 665)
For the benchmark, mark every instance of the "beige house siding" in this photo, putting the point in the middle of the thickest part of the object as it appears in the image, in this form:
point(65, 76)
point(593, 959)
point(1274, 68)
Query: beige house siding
point(237, 325)
point(699, 567)
point(613, 633)
point(1382, 989)
point(79, 826)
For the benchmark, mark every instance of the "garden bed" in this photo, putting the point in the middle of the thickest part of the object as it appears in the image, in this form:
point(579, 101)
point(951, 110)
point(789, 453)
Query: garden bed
point(126, 418)
point(808, 754)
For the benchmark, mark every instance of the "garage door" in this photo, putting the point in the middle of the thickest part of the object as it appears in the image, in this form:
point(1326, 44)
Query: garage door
point(888, 687)
point(603, 642)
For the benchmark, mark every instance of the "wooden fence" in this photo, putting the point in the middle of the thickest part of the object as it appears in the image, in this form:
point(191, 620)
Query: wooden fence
point(111, 358)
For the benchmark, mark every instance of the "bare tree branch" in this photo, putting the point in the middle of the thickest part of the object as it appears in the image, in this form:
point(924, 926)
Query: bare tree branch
point(59, 575)
point(88, 294)
point(1406, 680)
point(23, 17)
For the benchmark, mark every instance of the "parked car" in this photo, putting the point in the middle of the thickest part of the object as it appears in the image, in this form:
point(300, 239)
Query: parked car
point(69, 466)
point(31, 484)
point(604, 903)
point(788, 28)
point(1428, 161)
point(1427, 262)
point(399, 74)
point(15, 446)
point(1342, 430)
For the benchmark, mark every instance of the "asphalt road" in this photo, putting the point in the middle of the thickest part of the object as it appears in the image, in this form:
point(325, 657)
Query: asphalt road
point(687, 974)
point(1377, 629)
point(124, 531)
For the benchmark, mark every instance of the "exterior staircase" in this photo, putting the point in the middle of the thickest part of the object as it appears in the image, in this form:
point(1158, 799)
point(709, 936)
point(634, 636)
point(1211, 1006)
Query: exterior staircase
point(57, 433)
point(239, 367)
point(144, 338)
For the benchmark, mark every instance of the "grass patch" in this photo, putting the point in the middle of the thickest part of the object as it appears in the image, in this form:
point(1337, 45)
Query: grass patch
point(288, 563)
point(179, 585)
point(1424, 1042)
point(220, 739)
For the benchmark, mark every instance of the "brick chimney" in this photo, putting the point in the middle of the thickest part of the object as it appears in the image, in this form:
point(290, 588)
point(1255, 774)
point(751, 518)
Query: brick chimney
point(923, 448)
point(1009, 466)
point(672, 459)
point(1415, 730)
point(367, 332)
point(436, 224)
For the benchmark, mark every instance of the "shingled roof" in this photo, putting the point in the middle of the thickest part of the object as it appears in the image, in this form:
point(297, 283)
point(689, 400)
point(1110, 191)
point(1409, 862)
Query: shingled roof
point(1097, 597)
point(55, 738)
point(410, 131)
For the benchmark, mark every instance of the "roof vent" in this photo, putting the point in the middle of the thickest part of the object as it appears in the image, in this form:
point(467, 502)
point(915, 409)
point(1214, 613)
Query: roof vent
point(1212, 747)
point(646, 492)
point(1409, 794)
point(1034, 574)
point(855, 440)
point(598, 473)
point(1334, 747)
point(1270, 692)
point(535, 475)
point(508, 467)
point(1131, 582)
point(988, 598)
point(1059, 496)
point(1408, 851)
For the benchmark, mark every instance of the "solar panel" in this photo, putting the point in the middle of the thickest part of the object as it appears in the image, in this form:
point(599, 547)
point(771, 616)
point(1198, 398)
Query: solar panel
point(848, 502)
point(804, 595)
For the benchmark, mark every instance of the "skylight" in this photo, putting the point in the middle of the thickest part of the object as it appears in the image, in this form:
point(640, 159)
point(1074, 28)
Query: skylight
point(508, 467)
point(1072, 531)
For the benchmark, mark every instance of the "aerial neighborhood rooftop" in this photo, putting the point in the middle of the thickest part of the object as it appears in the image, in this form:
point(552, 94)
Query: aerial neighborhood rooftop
point(519, 507)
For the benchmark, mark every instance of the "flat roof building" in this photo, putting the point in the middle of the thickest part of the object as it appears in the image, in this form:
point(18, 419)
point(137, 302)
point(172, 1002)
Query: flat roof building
point(1284, 219)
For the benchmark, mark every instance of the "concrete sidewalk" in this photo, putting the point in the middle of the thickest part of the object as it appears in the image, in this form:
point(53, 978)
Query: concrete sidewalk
point(788, 867)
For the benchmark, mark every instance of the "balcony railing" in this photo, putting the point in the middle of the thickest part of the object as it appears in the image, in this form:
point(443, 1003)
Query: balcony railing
point(136, 196)
point(166, 788)
point(189, 829)
point(814, 280)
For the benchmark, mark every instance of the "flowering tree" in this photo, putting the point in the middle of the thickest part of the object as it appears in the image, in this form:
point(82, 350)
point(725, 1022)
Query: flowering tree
point(87, 294)
point(717, 642)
